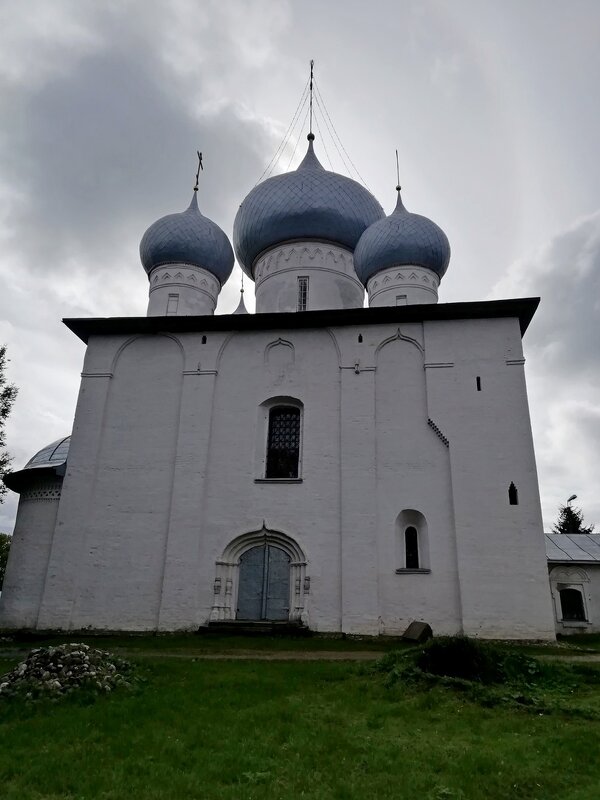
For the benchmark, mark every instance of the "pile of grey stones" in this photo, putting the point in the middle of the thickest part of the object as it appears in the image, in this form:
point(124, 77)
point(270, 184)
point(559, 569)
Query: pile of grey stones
point(56, 671)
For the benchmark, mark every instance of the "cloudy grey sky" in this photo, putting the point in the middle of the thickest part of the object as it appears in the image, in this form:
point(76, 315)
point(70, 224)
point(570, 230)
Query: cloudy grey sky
point(492, 106)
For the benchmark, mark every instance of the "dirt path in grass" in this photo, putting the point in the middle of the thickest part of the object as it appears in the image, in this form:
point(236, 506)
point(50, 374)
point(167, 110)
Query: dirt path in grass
point(315, 655)
point(260, 655)
point(583, 657)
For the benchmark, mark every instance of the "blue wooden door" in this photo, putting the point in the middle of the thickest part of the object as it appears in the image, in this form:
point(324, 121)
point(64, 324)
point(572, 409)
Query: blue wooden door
point(264, 584)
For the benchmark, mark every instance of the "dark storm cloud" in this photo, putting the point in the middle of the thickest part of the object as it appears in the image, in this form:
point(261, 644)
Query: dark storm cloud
point(563, 367)
point(567, 276)
point(102, 152)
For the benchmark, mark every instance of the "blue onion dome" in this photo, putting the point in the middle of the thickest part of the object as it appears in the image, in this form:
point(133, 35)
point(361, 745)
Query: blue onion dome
point(310, 203)
point(402, 239)
point(188, 238)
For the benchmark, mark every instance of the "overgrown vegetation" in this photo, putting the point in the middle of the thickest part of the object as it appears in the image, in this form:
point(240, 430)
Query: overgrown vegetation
point(8, 393)
point(5, 541)
point(493, 674)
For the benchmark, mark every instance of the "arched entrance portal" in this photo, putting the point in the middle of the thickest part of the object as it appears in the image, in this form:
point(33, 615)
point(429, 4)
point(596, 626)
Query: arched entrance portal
point(264, 584)
point(261, 576)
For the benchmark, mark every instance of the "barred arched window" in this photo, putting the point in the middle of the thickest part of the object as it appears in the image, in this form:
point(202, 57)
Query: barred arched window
point(283, 442)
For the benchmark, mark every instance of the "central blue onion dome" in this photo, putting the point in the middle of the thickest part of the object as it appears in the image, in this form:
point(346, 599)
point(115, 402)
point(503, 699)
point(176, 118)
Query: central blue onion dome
point(402, 239)
point(309, 203)
point(188, 238)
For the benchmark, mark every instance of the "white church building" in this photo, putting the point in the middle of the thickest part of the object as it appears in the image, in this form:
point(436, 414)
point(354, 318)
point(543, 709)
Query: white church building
point(345, 468)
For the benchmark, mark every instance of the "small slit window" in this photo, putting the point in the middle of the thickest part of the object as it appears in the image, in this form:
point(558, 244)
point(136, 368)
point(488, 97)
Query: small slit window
point(283, 442)
point(513, 495)
point(360, 338)
point(302, 294)
point(478, 381)
point(204, 340)
point(172, 304)
point(411, 547)
point(571, 604)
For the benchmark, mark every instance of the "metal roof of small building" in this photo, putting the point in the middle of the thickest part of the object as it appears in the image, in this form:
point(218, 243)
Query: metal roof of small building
point(50, 456)
point(49, 461)
point(573, 547)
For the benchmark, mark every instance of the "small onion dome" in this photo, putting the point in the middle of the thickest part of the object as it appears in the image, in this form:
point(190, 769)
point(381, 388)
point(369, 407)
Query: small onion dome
point(309, 203)
point(48, 462)
point(402, 239)
point(188, 238)
point(241, 307)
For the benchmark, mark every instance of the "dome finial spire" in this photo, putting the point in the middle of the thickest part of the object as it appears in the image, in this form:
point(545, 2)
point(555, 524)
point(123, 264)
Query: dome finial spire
point(398, 187)
point(200, 167)
point(241, 309)
point(311, 135)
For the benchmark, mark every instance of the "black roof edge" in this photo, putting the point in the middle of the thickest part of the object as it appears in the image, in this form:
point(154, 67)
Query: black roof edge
point(522, 308)
point(20, 479)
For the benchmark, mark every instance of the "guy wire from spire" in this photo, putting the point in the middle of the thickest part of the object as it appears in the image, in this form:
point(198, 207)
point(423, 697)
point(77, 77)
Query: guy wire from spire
point(297, 142)
point(323, 143)
point(398, 187)
point(345, 159)
point(198, 170)
point(319, 96)
point(279, 152)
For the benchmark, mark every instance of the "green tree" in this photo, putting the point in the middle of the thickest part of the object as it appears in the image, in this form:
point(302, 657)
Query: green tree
point(570, 520)
point(5, 541)
point(8, 392)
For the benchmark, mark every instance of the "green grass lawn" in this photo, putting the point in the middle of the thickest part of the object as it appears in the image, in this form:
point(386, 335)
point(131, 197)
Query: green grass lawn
point(207, 643)
point(249, 729)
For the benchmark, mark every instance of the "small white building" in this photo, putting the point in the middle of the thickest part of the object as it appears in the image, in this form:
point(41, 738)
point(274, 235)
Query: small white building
point(574, 571)
point(351, 469)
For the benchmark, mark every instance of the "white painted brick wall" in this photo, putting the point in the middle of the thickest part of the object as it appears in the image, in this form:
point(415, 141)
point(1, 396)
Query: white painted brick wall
point(169, 439)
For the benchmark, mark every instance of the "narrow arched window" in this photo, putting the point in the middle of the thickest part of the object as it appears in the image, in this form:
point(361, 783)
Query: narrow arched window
point(571, 603)
point(283, 442)
point(513, 495)
point(411, 545)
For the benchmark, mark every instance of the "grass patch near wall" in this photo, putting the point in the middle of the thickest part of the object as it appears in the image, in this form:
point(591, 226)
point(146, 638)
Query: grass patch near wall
point(192, 643)
point(249, 730)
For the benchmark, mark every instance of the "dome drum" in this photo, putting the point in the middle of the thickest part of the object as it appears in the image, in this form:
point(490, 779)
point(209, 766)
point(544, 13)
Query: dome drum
point(182, 290)
point(403, 285)
point(306, 276)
